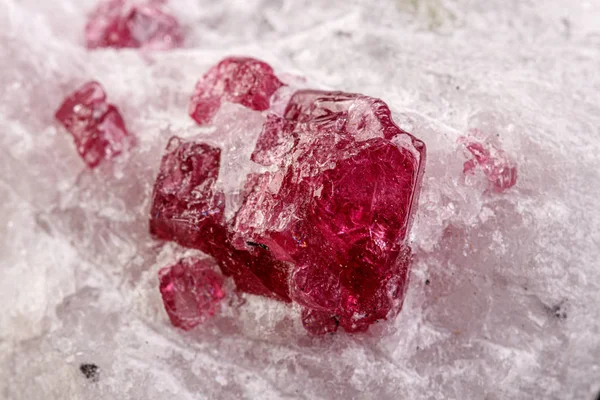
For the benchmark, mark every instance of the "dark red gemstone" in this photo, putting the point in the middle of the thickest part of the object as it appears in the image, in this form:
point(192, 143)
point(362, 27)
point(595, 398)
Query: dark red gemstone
point(187, 208)
point(319, 322)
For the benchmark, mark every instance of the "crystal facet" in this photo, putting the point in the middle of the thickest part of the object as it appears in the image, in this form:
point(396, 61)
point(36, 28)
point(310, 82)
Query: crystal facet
point(97, 126)
point(240, 80)
point(118, 24)
point(325, 225)
point(191, 291)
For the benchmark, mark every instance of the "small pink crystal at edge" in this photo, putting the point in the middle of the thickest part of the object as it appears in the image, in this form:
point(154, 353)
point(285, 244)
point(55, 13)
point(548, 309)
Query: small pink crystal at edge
point(96, 126)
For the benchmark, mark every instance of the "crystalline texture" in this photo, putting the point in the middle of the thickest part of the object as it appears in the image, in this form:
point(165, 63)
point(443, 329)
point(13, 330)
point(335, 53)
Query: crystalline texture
point(115, 23)
point(326, 226)
point(191, 291)
point(480, 318)
point(241, 80)
point(97, 126)
point(499, 169)
point(188, 209)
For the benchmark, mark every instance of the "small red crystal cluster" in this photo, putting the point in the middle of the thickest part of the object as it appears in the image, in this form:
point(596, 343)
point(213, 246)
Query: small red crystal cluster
point(119, 24)
point(325, 224)
point(322, 215)
point(97, 126)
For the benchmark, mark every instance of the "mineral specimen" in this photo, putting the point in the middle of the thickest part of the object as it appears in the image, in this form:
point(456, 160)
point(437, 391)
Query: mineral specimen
point(119, 24)
point(97, 126)
point(188, 209)
point(499, 169)
point(191, 291)
point(241, 80)
point(78, 272)
point(324, 225)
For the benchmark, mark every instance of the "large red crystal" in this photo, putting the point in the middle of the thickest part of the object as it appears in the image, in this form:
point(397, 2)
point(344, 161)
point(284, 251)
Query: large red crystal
point(97, 126)
point(240, 80)
point(325, 225)
point(191, 291)
point(119, 24)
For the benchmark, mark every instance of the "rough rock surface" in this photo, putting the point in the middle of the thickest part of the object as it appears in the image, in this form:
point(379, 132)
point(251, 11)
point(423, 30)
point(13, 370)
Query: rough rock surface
point(505, 286)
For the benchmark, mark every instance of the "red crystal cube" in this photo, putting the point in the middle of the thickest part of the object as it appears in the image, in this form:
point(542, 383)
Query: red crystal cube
point(185, 205)
point(326, 226)
point(240, 80)
point(115, 23)
point(191, 291)
point(97, 127)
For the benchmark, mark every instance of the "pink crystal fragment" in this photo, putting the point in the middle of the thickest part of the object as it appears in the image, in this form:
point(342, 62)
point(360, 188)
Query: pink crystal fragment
point(97, 126)
point(191, 291)
point(499, 169)
point(325, 226)
point(119, 24)
point(239, 80)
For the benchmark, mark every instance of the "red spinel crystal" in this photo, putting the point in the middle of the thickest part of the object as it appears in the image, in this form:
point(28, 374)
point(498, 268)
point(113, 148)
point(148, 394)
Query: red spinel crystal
point(97, 126)
point(325, 226)
point(118, 24)
point(191, 291)
point(240, 80)
point(188, 209)
point(319, 322)
point(499, 169)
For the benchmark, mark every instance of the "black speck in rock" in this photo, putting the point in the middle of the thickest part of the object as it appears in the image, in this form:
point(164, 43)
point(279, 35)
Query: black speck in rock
point(559, 311)
point(90, 371)
point(254, 244)
point(427, 281)
point(458, 88)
